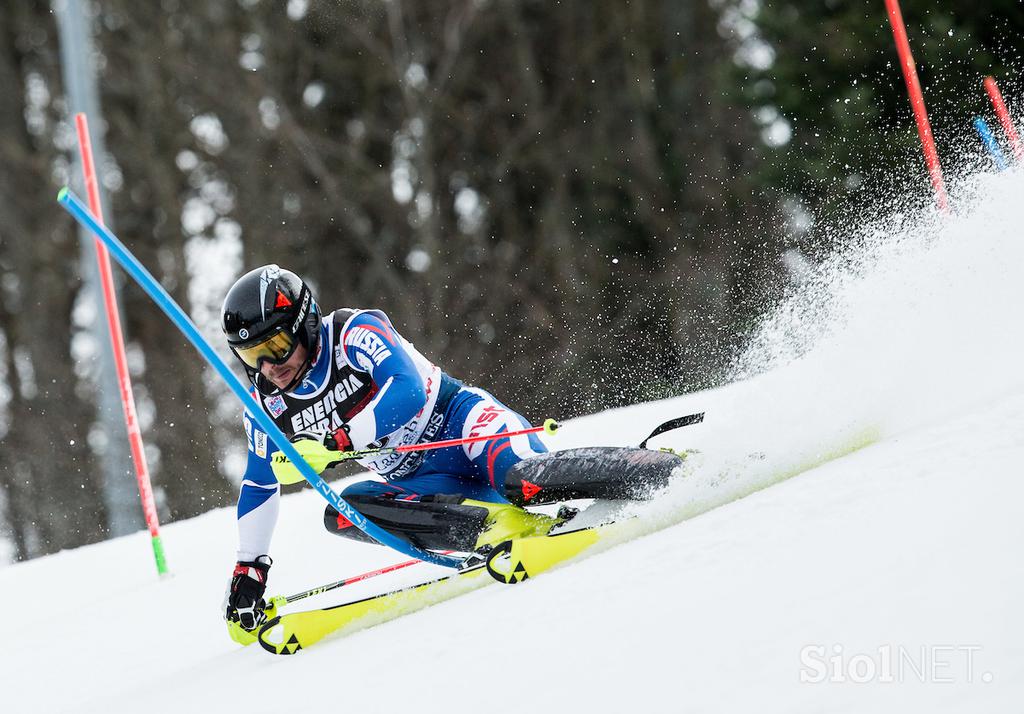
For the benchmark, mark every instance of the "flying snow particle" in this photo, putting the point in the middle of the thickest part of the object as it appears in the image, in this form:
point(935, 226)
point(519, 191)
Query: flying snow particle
point(418, 260)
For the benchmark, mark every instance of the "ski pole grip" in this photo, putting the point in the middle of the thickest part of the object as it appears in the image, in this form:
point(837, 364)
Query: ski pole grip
point(551, 426)
point(353, 455)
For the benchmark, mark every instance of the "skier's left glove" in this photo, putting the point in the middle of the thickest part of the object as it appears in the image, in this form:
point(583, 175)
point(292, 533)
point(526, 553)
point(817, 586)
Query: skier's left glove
point(245, 604)
point(319, 449)
point(338, 440)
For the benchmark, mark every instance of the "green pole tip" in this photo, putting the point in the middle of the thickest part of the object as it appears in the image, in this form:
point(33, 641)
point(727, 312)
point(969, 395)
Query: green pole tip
point(158, 555)
point(62, 194)
point(551, 426)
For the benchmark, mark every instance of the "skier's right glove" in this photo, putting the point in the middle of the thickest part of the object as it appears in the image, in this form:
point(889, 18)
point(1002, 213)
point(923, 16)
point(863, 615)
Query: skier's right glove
point(245, 603)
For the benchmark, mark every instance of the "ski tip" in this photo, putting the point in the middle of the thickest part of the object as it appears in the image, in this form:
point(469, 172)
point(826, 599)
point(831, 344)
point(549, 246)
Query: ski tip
point(551, 426)
point(62, 195)
point(242, 637)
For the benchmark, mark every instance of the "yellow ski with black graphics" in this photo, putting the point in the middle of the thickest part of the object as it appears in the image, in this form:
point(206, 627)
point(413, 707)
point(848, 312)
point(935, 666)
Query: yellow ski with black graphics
point(288, 633)
point(520, 558)
point(510, 562)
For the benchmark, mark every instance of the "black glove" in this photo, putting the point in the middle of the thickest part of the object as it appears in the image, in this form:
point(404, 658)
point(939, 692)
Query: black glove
point(245, 602)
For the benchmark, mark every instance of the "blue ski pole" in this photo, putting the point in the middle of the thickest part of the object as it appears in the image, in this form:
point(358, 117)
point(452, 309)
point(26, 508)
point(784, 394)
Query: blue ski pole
point(981, 126)
point(73, 205)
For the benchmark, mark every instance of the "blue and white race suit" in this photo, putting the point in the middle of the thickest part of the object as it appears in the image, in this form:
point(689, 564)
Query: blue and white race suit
point(369, 377)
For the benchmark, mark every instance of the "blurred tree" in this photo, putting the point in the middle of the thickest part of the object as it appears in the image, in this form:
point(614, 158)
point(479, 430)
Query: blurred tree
point(48, 475)
point(405, 154)
point(149, 108)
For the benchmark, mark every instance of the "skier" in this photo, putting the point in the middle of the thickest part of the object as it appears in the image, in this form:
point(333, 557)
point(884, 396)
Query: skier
point(346, 380)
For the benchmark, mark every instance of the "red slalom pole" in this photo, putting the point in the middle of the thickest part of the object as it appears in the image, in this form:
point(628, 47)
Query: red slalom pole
point(117, 343)
point(924, 129)
point(1004, 116)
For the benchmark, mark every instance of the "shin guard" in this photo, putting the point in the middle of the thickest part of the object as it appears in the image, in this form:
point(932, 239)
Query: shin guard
point(604, 472)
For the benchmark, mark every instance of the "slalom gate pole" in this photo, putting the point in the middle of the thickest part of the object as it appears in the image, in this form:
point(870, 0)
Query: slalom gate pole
point(124, 380)
point(981, 126)
point(1004, 117)
point(924, 129)
point(282, 600)
point(73, 205)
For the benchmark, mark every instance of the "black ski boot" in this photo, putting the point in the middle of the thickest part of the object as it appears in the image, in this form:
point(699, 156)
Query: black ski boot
point(440, 522)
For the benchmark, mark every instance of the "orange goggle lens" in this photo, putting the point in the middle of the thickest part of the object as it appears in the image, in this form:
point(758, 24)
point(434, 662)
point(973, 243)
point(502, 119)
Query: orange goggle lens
point(275, 349)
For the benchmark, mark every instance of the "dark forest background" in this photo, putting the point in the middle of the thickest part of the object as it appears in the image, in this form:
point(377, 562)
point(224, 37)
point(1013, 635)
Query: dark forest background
point(575, 204)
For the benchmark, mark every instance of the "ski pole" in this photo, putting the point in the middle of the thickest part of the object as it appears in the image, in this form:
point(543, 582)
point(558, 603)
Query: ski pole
point(282, 600)
point(550, 426)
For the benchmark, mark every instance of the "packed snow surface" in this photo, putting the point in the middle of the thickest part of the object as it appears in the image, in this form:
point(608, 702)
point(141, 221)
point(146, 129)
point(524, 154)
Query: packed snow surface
point(847, 539)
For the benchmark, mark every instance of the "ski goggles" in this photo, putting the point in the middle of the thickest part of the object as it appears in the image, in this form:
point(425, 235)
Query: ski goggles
point(276, 349)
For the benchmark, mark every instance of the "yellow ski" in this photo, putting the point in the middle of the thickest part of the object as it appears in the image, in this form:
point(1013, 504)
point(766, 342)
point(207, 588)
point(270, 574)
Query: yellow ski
point(287, 634)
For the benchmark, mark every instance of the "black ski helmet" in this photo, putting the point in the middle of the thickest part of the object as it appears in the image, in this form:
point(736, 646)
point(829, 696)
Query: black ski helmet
point(267, 313)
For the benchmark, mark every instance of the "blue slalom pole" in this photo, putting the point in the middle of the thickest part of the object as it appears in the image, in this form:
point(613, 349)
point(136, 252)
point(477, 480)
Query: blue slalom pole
point(989, 139)
point(73, 205)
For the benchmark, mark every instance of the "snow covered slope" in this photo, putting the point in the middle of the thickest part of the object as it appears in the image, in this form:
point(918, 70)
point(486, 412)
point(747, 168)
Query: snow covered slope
point(849, 539)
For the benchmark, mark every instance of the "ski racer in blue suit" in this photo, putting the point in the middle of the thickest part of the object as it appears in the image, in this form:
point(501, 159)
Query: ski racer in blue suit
point(347, 380)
